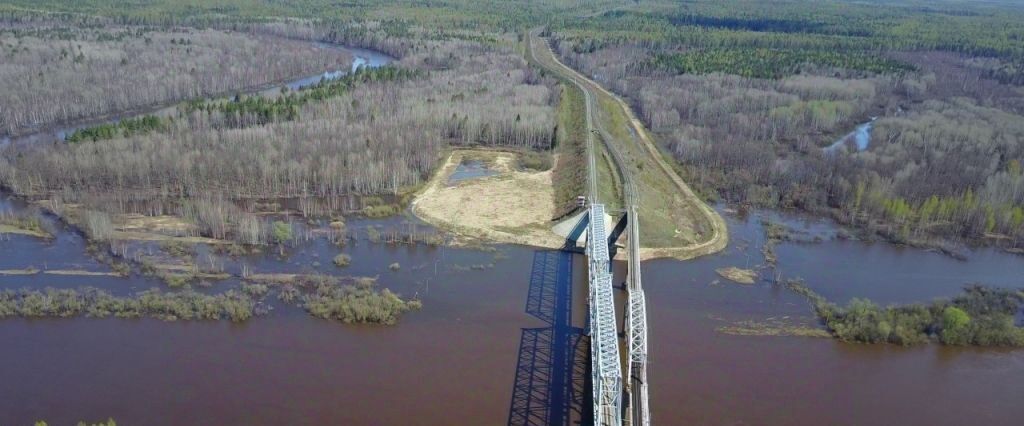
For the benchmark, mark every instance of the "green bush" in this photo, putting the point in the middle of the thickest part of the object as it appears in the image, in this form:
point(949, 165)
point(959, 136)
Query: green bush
point(282, 232)
point(955, 326)
point(980, 316)
point(93, 302)
point(288, 294)
point(381, 211)
point(356, 303)
point(342, 260)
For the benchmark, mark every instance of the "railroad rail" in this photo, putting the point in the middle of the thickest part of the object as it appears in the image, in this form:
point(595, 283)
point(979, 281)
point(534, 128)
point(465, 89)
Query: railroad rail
point(616, 402)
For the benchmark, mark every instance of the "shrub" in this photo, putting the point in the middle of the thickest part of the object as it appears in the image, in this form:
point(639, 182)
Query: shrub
point(980, 316)
point(288, 293)
point(255, 290)
point(381, 210)
point(282, 232)
point(533, 160)
point(342, 260)
point(356, 303)
point(177, 280)
point(373, 234)
point(177, 248)
point(955, 326)
point(92, 302)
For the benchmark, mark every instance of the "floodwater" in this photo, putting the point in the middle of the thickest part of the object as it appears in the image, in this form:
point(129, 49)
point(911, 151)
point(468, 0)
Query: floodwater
point(859, 137)
point(470, 169)
point(458, 359)
point(493, 341)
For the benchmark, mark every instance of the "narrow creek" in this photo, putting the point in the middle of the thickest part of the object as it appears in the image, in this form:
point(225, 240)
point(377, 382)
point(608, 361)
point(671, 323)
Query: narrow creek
point(360, 58)
point(859, 138)
point(456, 358)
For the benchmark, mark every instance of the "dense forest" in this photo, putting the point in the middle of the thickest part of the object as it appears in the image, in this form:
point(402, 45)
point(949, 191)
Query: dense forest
point(374, 132)
point(748, 104)
point(54, 71)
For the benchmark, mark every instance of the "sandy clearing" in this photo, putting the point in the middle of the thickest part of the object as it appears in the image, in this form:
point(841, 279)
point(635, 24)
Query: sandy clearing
point(510, 207)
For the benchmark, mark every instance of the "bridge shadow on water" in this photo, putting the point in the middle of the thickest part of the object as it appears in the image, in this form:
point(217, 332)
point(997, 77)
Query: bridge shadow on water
point(552, 381)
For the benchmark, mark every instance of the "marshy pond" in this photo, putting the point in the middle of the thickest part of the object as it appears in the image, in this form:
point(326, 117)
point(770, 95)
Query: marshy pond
point(470, 169)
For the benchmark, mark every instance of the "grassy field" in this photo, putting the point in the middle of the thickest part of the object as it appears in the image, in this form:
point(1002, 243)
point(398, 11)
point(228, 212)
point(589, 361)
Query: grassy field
point(513, 206)
point(570, 173)
point(668, 220)
point(675, 222)
point(609, 183)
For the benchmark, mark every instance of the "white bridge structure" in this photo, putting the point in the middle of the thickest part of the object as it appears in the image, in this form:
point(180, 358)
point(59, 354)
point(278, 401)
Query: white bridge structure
point(619, 384)
point(604, 338)
point(616, 401)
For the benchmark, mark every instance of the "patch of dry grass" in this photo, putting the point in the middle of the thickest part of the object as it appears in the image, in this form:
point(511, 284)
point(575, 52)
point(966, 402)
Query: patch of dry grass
point(26, 271)
point(80, 273)
point(511, 206)
point(134, 227)
point(742, 276)
point(753, 328)
point(12, 229)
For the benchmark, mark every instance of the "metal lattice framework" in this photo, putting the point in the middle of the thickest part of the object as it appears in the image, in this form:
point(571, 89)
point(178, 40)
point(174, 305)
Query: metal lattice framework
point(636, 332)
point(604, 339)
point(606, 370)
point(637, 412)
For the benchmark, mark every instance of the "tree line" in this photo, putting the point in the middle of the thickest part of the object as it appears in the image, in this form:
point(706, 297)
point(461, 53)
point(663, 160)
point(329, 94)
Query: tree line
point(943, 160)
point(66, 73)
point(375, 132)
point(980, 316)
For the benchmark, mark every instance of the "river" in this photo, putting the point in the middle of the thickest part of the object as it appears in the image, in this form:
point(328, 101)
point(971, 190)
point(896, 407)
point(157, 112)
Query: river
point(860, 138)
point(457, 359)
point(360, 58)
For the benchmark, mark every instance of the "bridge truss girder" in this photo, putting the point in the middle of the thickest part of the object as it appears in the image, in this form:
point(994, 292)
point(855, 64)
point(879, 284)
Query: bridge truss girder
point(604, 339)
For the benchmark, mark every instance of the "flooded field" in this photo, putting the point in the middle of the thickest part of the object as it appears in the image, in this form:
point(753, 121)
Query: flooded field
point(457, 357)
point(470, 169)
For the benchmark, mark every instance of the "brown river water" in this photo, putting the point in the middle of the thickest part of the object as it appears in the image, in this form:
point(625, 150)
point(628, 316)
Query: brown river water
point(456, 361)
point(462, 358)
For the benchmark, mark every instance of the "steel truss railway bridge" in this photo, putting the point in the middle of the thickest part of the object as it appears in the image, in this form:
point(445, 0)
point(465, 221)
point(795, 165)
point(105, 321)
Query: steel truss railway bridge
point(619, 384)
point(618, 400)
